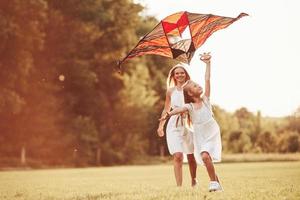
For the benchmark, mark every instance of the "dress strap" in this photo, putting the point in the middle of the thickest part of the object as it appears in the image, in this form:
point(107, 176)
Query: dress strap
point(208, 105)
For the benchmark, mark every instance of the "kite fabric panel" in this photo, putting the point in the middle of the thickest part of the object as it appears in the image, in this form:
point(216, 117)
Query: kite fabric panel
point(179, 35)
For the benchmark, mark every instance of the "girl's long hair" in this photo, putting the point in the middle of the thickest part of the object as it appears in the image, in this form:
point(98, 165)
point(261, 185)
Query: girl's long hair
point(187, 99)
point(171, 82)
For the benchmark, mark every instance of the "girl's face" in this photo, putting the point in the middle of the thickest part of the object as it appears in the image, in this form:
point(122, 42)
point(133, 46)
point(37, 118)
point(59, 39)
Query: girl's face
point(194, 89)
point(179, 75)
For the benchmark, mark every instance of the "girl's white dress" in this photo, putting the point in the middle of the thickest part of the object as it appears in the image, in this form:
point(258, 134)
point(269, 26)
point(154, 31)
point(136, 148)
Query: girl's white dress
point(207, 135)
point(179, 138)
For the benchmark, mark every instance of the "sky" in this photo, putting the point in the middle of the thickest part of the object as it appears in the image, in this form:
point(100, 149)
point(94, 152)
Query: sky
point(255, 61)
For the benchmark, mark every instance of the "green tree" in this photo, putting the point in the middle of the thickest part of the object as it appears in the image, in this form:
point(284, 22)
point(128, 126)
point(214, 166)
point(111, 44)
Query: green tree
point(289, 141)
point(22, 37)
point(137, 99)
point(248, 124)
point(266, 142)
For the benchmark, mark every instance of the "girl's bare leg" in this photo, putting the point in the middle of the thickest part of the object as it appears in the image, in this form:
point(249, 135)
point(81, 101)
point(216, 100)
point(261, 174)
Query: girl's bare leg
point(178, 159)
point(209, 166)
point(192, 167)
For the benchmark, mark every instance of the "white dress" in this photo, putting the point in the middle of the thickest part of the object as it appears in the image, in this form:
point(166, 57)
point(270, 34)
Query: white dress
point(179, 138)
point(207, 135)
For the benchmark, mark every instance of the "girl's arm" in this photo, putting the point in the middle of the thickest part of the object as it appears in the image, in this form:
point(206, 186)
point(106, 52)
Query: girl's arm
point(160, 130)
point(174, 112)
point(205, 57)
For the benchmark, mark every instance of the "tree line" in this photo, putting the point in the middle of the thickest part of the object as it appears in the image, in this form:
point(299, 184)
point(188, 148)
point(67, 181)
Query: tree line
point(63, 102)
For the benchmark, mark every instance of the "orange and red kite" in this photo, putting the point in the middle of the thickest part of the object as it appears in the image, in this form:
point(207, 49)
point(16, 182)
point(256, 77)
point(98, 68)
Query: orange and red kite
point(179, 35)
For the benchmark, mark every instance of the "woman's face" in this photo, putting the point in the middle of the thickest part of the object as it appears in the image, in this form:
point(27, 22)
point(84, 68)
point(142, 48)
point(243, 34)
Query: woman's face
point(179, 75)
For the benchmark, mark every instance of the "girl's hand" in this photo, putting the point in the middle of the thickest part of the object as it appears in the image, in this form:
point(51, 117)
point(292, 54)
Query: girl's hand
point(205, 57)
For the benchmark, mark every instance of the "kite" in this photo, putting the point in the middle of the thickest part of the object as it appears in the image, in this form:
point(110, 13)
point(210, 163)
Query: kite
point(179, 35)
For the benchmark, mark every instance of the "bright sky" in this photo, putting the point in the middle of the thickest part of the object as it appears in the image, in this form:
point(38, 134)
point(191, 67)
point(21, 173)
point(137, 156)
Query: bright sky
point(254, 61)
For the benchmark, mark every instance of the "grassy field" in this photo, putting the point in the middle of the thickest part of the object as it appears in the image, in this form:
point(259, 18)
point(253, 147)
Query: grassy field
point(259, 180)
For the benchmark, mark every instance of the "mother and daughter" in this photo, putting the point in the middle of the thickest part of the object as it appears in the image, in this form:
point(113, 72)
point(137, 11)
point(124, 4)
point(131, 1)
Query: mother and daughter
point(187, 105)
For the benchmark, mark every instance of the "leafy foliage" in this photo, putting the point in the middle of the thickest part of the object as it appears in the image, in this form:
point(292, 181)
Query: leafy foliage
point(62, 101)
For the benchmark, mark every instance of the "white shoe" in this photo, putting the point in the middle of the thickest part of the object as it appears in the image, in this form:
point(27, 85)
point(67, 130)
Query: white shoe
point(214, 186)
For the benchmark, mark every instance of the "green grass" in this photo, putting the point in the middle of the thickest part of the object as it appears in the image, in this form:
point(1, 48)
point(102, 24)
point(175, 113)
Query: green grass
point(259, 180)
point(260, 157)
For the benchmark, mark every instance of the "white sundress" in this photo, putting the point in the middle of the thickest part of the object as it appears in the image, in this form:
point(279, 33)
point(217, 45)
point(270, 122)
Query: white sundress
point(179, 138)
point(207, 136)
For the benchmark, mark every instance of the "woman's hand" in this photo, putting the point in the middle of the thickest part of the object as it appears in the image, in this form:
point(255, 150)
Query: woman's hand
point(205, 57)
point(160, 131)
point(166, 116)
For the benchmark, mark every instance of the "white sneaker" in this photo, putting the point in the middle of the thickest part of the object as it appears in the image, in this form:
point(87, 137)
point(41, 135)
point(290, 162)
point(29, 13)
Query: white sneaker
point(214, 186)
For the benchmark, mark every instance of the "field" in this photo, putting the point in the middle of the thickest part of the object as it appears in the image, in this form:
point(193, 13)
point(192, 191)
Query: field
point(258, 180)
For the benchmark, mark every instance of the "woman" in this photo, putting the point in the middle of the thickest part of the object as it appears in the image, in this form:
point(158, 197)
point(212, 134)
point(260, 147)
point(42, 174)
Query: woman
point(207, 136)
point(179, 139)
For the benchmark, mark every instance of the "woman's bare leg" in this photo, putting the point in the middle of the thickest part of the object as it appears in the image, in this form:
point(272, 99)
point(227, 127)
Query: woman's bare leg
point(178, 159)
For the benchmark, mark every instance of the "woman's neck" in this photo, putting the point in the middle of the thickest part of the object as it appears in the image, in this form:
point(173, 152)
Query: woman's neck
point(179, 85)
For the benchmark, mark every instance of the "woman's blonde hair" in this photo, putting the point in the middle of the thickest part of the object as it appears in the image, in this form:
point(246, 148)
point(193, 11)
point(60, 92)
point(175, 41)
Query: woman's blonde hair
point(171, 82)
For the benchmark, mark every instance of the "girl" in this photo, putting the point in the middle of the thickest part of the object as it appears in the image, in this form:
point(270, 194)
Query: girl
point(179, 140)
point(207, 138)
